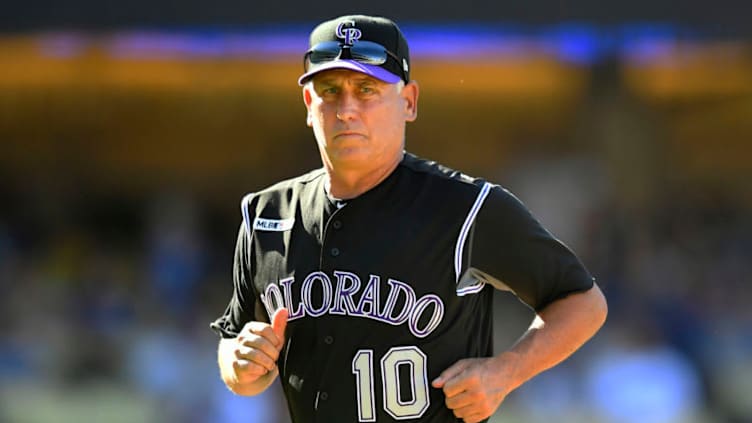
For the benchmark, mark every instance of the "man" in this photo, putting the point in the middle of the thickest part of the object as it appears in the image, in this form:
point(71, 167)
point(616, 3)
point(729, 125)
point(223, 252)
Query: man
point(376, 272)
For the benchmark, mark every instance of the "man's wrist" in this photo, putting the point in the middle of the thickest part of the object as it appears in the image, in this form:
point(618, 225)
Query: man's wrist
point(509, 365)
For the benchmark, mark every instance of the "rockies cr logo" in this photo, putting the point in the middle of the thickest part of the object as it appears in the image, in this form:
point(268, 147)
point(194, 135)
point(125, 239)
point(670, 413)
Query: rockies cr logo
point(348, 32)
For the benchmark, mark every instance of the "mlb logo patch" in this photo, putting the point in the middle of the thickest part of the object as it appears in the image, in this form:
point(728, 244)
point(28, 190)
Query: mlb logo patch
point(273, 225)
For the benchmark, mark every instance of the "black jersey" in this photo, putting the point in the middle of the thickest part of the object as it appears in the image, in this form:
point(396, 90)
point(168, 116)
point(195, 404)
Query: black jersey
point(389, 289)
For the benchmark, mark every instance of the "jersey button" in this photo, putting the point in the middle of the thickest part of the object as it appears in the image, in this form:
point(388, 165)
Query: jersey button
point(337, 224)
point(329, 340)
point(324, 396)
point(335, 252)
point(296, 382)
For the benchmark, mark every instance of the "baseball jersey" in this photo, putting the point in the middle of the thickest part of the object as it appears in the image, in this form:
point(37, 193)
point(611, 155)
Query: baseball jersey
point(388, 289)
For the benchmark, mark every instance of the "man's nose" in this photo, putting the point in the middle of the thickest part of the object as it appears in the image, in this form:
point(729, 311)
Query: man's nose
point(348, 106)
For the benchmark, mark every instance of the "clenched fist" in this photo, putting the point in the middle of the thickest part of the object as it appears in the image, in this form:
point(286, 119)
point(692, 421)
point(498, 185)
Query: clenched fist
point(475, 387)
point(248, 362)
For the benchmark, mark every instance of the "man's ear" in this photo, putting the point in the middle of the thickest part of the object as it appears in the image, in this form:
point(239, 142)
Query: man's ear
point(410, 93)
point(307, 100)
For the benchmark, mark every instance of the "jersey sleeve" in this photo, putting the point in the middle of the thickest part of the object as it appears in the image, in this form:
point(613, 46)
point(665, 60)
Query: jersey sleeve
point(244, 301)
point(513, 251)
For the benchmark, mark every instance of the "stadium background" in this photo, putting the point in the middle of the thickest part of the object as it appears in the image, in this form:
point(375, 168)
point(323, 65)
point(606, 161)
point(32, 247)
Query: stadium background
point(129, 132)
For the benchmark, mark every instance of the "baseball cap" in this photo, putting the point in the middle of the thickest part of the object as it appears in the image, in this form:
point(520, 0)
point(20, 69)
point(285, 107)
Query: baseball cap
point(371, 45)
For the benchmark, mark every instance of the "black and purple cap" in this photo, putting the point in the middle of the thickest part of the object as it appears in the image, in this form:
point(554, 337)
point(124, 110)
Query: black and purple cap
point(371, 45)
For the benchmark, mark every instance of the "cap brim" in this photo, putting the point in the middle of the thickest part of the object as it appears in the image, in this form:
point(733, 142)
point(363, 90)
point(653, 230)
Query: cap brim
point(370, 70)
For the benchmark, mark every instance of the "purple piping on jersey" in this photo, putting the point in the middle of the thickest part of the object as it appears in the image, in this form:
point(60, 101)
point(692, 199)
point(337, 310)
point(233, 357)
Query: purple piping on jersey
point(420, 306)
point(275, 303)
point(286, 285)
point(391, 301)
point(466, 227)
point(474, 289)
point(326, 286)
point(411, 314)
point(343, 294)
point(373, 288)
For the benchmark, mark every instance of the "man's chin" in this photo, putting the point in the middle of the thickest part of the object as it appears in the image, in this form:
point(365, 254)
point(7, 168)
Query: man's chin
point(352, 157)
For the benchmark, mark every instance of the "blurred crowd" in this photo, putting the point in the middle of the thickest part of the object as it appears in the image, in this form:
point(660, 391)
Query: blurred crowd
point(105, 304)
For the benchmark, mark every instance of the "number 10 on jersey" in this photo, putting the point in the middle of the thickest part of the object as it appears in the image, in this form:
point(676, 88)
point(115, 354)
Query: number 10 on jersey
point(397, 407)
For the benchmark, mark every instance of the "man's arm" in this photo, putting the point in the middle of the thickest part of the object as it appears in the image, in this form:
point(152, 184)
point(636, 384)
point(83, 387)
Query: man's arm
point(475, 388)
point(248, 362)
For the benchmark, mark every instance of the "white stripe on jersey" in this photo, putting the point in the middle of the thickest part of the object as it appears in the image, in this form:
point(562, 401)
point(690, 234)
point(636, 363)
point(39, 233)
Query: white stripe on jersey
point(244, 204)
point(466, 228)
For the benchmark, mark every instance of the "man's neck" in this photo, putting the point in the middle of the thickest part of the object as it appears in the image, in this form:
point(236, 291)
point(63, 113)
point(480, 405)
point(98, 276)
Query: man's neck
point(350, 183)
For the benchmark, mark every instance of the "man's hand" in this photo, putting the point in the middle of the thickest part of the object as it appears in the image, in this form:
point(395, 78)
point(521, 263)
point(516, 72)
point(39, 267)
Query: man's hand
point(475, 387)
point(249, 361)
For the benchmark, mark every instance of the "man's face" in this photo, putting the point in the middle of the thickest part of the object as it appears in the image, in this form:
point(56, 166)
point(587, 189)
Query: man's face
point(358, 121)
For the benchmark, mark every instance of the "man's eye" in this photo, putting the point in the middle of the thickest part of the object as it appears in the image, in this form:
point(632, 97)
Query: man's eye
point(367, 90)
point(329, 90)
